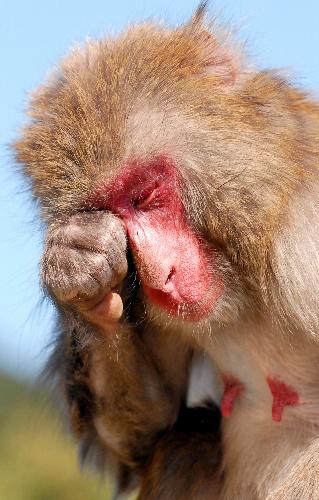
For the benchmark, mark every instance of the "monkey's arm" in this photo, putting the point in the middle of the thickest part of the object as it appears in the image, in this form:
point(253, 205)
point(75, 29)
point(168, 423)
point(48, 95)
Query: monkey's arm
point(186, 460)
point(123, 385)
point(119, 394)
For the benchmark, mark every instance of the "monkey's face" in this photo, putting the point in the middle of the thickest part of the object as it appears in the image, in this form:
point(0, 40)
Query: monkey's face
point(177, 269)
point(149, 127)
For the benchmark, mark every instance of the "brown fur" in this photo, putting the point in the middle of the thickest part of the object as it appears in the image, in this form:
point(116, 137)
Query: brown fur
point(247, 145)
point(184, 462)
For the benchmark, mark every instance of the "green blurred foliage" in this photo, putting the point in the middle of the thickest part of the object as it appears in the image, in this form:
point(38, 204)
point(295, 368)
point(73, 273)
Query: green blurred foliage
point(37, 458)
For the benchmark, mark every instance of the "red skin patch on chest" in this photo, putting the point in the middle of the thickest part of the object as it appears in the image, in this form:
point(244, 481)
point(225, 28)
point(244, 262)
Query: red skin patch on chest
point(232, 389)
point(283, 395)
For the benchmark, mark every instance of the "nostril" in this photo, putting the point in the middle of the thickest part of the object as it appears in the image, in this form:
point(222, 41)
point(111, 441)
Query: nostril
point(170, 276)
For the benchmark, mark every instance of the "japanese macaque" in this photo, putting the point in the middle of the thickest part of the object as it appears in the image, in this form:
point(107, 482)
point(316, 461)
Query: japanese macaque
point(179, 186)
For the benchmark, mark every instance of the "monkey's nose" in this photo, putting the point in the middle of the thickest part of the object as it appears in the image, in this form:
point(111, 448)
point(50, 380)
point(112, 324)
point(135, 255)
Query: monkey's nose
point(170, 275)
point(160, 278)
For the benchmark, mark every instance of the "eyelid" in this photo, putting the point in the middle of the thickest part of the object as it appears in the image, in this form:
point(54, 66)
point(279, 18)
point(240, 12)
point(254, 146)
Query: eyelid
point(144, 202)
point(147, 197)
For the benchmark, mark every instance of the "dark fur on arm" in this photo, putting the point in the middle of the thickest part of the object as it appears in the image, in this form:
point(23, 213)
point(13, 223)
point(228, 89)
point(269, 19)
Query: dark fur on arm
point(185, 462)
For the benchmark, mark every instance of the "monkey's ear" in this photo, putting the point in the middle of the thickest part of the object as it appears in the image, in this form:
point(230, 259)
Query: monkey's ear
point(217, 57)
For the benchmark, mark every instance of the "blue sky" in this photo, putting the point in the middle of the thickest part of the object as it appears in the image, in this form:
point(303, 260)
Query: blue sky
point(33, 36)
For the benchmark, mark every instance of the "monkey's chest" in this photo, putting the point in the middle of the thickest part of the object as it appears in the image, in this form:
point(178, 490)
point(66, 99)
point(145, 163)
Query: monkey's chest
point(254, 385)
point(267, 383)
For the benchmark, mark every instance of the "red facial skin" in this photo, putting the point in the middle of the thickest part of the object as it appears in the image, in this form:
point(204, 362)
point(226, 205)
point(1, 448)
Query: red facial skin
point(176, 268)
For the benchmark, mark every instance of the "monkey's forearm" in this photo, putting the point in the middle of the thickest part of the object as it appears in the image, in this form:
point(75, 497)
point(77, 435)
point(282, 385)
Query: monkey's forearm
point(118, 386)
point(186, 460)
point(133, 401)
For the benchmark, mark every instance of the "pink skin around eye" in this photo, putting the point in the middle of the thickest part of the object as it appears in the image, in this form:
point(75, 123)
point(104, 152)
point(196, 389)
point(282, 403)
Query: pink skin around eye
point(147, 200)
point(176, 268)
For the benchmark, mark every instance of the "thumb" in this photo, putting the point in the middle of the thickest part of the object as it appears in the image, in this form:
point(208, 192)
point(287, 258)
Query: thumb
point(106, 313)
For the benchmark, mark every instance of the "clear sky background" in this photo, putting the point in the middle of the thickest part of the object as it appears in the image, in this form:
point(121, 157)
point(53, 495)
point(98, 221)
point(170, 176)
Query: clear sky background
point(34, 34)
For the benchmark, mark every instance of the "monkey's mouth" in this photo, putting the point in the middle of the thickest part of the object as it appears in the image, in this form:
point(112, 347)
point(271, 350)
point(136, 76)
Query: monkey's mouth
point(187, 310)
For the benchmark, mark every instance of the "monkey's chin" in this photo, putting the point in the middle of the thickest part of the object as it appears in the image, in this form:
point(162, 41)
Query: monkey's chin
point(183, 309)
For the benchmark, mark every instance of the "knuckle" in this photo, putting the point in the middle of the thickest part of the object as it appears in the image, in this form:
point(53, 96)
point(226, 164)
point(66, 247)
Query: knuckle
point(84, 256)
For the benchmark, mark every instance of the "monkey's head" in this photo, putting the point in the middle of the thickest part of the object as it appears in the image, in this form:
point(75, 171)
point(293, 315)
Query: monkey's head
point(169, 130)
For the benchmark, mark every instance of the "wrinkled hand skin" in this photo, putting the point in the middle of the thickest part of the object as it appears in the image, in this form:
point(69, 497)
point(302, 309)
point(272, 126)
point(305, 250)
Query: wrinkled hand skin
point(84, 259)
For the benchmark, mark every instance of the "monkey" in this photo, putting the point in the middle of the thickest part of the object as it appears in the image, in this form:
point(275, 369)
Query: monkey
point(179, 188)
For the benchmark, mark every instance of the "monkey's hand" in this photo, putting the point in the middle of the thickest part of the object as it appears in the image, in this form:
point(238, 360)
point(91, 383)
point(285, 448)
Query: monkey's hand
point(83, 261)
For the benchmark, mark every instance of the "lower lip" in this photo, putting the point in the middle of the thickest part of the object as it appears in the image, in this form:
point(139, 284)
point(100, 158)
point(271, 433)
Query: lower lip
point(188, 311)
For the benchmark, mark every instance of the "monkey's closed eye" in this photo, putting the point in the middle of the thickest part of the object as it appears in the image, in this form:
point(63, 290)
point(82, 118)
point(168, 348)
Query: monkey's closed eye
point(145, 200)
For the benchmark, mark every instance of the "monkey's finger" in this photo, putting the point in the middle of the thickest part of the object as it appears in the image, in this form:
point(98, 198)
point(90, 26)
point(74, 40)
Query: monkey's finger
point(107, 312)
